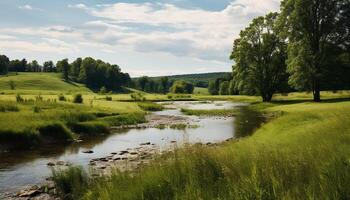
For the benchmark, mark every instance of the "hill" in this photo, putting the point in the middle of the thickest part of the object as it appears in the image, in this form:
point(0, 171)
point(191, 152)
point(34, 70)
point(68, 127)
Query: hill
point(199, 80)
point(28, 82)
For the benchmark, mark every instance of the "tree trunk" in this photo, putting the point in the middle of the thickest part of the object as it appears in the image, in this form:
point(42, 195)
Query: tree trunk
point(267, 97)
point(317, 91)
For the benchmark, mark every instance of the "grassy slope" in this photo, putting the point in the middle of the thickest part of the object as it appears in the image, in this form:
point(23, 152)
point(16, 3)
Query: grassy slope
point(194, 78)
point(304, 154)
point(34, 83)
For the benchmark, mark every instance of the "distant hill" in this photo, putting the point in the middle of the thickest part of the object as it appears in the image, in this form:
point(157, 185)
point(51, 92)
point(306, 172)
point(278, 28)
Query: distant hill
point(28, 82)
point(199, 80)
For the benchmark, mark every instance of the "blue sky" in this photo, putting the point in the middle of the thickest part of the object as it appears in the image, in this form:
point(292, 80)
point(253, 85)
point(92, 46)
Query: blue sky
point(143, 37)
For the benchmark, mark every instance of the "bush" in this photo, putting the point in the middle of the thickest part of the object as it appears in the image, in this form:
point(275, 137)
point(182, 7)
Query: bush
point(103, 90)
point(138, 96)
point(38, 98)
point(8, 107)
point(61, 97)
point(90, 128)
point(108, 98)
point(182, 87)
point(19, 98)
point(12, 85)
point(36, 109)
point(150, 106)
point(78, 98)
point(56, 130)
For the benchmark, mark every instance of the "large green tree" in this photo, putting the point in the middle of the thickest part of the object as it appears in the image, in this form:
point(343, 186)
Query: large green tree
point(259, 55)
point(4, 64)
point(63, 66)
point(311, 26)
point(164, 84)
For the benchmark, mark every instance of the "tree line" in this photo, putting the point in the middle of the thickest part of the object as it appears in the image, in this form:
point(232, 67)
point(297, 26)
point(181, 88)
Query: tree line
point(95, 74)
point(305, 47)
point(162, 85)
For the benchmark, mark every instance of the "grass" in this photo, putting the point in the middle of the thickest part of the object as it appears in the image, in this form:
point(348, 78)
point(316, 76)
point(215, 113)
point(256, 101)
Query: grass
point(214, 112)
point(200, 91)
point(35, 83)
point(150, 106)
point(303, 154)
point(34, 122)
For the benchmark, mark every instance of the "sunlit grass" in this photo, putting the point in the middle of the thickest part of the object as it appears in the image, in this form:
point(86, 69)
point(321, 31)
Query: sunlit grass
point(303, 154)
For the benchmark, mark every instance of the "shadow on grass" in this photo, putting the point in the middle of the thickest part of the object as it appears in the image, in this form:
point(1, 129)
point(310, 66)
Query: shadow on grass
point(285, 102)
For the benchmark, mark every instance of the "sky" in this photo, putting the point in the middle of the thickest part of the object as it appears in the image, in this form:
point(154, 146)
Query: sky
point(151, 38)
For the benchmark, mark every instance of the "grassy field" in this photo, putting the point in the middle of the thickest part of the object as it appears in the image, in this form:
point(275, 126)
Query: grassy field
point(200, 91)
point(36, 83)
point(31, 122)
point(303, 154)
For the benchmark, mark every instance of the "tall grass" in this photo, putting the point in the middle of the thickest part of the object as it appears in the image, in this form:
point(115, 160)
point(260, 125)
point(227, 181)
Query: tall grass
point(150, 106)
point(70, 183)
point(35, 122)
point(303, 154)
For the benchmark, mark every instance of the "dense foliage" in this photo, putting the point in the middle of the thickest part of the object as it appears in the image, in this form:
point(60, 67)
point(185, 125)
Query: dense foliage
point(260, 56)
point(311, 37)
point(317, 30)
point(94, 73)
point(182, 87)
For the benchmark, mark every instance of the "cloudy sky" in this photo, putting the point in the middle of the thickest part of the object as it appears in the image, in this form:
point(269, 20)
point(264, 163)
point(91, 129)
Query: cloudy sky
point(143, 37)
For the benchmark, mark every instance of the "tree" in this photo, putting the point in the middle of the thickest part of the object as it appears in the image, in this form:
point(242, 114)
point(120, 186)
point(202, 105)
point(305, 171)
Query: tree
point(224, 88)
point(259, 56)
point(75, 68)
point(309, 26)
point(33, 67)
point(182, 87)
point(4, 64)
point(164, 84)
point(87, 70)
point(63, 66)
point(142, 82)
point(48, 66)
point(18, 65)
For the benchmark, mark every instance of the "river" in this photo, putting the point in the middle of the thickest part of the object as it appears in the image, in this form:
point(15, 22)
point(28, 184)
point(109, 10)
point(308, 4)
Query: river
point(22, 168)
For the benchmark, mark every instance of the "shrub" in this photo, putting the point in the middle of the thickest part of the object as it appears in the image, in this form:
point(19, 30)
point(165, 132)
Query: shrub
point(108, 98)
point(78, 98)
point(8, 107)
point(19, 98)
point(12, 85)
point(38, 98)
point(103, 90)
point(36, 109)
point(56, 130)
point(61, 97)
point(90, 128)
point(150, 106)
point(138, 96)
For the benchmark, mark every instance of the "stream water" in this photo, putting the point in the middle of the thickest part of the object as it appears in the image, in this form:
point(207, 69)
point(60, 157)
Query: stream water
point(21, 168)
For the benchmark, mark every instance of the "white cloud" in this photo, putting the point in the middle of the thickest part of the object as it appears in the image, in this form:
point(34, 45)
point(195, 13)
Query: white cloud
point(78, 6)
point(147, 30)
point(195, 33)
point(26, 7)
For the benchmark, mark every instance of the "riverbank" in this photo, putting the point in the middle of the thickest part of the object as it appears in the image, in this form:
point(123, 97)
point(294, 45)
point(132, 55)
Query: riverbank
point(303, 153)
